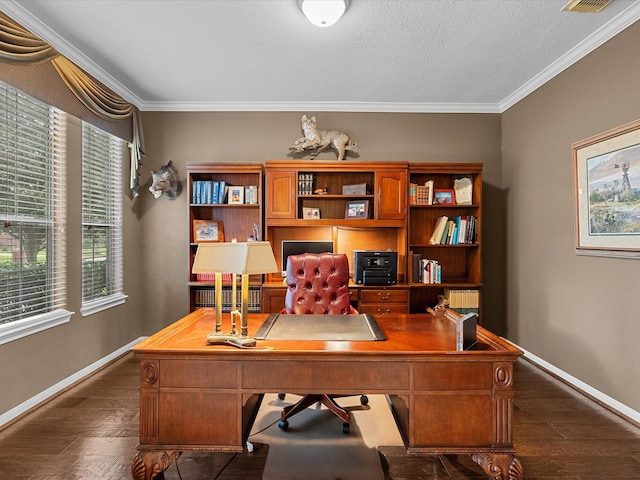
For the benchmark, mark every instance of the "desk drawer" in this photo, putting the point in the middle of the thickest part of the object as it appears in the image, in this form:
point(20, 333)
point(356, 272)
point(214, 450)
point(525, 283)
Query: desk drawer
point(325, 376)
point(384, 296)
point(382, 308)
point(198, 374)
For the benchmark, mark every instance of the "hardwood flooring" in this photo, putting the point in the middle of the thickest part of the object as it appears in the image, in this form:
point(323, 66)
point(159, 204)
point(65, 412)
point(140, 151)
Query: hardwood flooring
point(91, 432)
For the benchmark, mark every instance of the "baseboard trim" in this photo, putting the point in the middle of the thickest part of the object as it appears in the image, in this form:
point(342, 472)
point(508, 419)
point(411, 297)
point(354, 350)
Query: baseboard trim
point(606, 401)
point(25, 407)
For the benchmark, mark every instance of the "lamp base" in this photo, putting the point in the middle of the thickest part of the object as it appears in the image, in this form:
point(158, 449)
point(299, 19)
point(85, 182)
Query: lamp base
point(230, 339)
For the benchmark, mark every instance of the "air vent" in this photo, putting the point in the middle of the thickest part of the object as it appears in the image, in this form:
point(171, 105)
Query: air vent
point(586, 6)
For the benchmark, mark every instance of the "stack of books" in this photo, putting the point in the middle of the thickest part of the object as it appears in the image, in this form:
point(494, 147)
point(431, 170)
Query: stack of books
point(463, 300)
point(305, 183)
point(425, 270)
point(421, 194)
point(454, 231)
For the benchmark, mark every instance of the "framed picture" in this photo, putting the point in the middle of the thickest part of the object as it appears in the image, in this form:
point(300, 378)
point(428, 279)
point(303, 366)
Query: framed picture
point(444, 197)
point(607, 192)
point(207, 231)
point(236, 194)
point(310, 213)
point(356, 209)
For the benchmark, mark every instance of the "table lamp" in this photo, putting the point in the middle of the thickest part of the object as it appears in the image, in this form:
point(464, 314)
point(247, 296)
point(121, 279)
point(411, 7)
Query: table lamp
point(244, 258)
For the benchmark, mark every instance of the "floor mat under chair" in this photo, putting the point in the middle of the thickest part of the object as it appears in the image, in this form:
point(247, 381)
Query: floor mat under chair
point(314, 447)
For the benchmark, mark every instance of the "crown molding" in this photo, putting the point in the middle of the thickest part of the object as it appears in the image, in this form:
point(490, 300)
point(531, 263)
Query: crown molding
point(596, 39)
point(605, 33)
point(28, 21)
point(373, 107)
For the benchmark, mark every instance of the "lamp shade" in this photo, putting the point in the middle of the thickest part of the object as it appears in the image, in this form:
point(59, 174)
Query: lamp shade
point(230, 257)
point(323, 13)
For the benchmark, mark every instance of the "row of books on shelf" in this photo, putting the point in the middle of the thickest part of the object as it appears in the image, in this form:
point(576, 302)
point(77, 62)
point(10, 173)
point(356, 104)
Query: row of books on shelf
point(427, 194)
point(209, 192)
point(454, 231)
point(425, 270)
point(463, 300)
point(305, 183)
point(421, 194)
point(206, 297)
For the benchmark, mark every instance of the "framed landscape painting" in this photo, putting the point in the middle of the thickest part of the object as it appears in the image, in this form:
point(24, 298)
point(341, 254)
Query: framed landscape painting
point(607, 193)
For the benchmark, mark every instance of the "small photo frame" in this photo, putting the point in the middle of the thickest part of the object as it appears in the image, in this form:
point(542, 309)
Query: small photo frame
point(236, 195)
point(207, 231)
point(310, 213)
point(356, 209)
point(444, 197)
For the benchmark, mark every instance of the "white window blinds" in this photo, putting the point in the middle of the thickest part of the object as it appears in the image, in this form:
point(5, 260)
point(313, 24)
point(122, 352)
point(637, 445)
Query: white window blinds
point(102, 158)
point(32, 209)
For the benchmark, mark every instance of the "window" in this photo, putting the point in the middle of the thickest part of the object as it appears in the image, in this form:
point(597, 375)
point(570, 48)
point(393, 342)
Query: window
point(102, 158)
point(32, 215)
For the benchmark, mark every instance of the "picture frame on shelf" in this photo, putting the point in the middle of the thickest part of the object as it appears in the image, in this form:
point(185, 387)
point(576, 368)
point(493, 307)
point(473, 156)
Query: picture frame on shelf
point(310, 213)
point(444, 197)
point(356, 209)
point(236, 194)
point(207, 231)
point(607, 192)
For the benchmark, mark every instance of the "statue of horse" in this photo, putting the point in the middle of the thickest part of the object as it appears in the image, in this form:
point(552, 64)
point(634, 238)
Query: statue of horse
point(165, 182)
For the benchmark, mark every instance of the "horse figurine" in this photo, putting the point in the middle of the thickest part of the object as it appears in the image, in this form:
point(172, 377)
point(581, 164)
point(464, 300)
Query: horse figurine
point(319, 140)
point(165, 182)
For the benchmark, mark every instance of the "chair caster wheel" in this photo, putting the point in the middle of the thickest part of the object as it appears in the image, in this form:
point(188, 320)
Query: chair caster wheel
point(283, 424)
point(364, 400)
point(281, 396)
point(345, 428)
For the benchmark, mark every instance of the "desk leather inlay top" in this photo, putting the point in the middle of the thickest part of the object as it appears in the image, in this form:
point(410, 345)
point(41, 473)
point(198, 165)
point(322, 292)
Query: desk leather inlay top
point(360, 327)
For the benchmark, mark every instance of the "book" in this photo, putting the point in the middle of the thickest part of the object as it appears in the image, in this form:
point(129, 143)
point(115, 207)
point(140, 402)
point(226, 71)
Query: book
point(438, 229)
point(221, 191)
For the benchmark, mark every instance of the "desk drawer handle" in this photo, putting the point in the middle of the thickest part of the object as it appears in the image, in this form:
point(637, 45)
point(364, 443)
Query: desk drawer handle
point(386, 312)
point(386, 296)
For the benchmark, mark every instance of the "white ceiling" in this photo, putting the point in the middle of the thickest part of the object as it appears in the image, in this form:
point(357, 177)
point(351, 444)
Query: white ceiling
point(263, 55)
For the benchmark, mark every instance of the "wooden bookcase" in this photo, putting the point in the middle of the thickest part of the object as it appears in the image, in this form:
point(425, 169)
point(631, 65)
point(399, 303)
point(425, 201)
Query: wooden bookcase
point(237, 221)
point(461, 262)
point(383, 227)
point(391, 222)
point(382, 186)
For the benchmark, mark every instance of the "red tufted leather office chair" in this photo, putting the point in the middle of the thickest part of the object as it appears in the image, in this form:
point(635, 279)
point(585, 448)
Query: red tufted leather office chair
point(318, 284)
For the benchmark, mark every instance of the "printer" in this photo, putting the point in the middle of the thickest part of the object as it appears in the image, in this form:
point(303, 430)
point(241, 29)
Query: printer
point(375, 267)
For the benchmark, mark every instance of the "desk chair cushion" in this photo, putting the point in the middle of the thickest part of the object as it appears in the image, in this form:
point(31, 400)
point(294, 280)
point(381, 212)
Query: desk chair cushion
point(317, 284)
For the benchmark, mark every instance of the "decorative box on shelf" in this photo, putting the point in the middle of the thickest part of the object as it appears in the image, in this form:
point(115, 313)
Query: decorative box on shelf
point(355, 189)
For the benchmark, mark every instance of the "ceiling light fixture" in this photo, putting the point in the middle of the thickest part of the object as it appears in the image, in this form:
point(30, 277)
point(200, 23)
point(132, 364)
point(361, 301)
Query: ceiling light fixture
point(323, 13)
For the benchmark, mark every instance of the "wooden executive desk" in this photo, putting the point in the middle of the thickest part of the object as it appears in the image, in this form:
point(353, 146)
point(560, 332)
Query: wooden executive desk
point(199, 397)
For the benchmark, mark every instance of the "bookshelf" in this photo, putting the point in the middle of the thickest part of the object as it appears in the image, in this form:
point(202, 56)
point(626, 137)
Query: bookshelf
point(457, 261)
point(289, 190)
point(238, 216)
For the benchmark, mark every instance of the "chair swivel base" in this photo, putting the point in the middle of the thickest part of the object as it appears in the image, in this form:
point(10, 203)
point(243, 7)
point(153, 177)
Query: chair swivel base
point(309, 400)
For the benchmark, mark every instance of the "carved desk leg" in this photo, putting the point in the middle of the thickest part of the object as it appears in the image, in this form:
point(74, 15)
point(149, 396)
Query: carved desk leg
point(500, 466)
point(148, 465)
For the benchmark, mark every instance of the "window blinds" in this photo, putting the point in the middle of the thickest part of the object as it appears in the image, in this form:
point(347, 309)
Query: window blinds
point(102, 157)
point(32, 207)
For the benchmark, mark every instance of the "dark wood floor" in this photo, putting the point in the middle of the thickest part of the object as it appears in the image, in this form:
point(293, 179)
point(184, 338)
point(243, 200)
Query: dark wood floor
point(91, 432)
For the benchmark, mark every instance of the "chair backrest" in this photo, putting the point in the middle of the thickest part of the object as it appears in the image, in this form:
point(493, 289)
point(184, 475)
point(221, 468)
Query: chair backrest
point(317, 283)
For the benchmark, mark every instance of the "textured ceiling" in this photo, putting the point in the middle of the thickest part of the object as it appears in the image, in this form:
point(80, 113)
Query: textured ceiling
point(383, 55)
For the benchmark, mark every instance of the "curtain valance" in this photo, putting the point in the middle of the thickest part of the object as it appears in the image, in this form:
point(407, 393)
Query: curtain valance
point(19, 46)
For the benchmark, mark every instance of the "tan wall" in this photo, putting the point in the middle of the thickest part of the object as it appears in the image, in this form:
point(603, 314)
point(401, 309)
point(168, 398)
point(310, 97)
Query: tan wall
point(578, 313)
point(35, 363)
point(256, 137)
